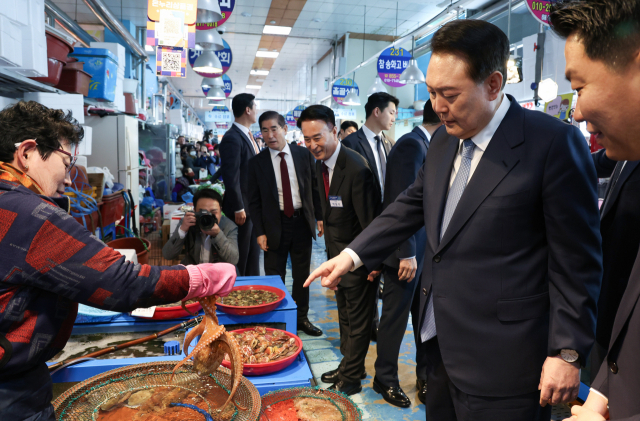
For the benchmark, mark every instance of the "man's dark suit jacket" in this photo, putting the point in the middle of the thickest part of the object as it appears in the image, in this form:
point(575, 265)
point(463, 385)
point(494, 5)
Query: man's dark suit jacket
point(359, 143)
point(618, 377)
point(353, 181)
point(235, 151)
point(620, 229)
point(405, 160)
point(264, 202)
point(517, 273)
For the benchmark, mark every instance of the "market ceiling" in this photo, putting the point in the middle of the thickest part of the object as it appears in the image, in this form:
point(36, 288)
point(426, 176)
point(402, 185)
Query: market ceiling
point(314, 23)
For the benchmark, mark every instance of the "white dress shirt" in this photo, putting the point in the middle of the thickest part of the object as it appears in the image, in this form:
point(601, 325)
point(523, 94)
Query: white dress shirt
point(331, 162)
point(481, 141)
point(293, 178)
point(374, 147)
point(426, 132)
point(205, 251)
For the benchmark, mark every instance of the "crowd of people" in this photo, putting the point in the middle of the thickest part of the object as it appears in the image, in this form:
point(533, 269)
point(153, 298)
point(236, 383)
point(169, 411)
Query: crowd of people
point(484, 223)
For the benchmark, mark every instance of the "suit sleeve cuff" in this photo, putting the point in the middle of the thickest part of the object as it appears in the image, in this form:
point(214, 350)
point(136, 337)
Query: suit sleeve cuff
point(407, 258)
point(241, 210)
point(181, 233)
point(356, 260)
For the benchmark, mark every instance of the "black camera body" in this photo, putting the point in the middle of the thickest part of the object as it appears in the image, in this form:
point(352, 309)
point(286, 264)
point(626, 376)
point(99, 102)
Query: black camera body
point(205, 219)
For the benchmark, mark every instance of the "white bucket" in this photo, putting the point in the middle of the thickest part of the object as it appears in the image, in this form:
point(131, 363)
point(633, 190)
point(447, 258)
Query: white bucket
point(130, 86)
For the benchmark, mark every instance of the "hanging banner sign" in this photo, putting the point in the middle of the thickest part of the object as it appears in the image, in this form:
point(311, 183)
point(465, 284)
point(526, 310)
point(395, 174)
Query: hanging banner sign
point(342, 87)
point(290, 120)
point(345, 113)
point(225, 56)
point(171, 62)
point(170, 28)
point(188, 7)
point(540, 9)
point(391, 64)
point(560, 107)
point(228, 85)
point(188, 39)
point(218, 116)
point(297, 111)
point(226, 8)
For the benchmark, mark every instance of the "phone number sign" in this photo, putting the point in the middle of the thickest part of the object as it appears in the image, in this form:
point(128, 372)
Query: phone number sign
point(342, 87)
point(225, 56)
point(540, 9)
point(226, 8)
point(391, 64)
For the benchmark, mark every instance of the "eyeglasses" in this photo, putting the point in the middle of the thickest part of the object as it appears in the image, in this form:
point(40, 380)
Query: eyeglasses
point(73, 158)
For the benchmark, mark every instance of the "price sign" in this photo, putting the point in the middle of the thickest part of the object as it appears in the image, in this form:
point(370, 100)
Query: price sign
point(226, 8)
point(144, 312)
point(290, 120)
point(297, 111)
point(342, 87)
point(218, 115)
point(540, 9)
point(391, 64)
point(225, 56)
point(345, 113)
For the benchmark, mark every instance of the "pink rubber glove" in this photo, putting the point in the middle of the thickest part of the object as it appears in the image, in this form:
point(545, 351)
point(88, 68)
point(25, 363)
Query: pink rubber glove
point(210, 279)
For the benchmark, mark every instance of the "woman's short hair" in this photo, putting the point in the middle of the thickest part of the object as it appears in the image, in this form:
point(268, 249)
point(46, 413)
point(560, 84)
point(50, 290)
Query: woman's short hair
point(32, 120)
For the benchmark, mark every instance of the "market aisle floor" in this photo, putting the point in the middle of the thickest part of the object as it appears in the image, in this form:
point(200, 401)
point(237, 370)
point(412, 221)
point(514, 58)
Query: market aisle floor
point(323, 354)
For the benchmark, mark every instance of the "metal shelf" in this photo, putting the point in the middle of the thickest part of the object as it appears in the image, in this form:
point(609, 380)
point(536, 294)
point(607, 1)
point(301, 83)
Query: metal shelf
point(14, 85)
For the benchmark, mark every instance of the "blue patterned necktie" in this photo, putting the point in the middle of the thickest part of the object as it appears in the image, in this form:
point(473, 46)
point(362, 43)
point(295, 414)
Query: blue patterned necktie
point(428, 330)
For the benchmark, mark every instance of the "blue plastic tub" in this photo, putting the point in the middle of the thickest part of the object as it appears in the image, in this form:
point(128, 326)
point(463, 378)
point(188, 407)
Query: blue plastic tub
point(102, 65)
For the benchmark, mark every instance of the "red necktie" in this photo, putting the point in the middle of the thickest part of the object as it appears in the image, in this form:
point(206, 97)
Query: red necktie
point(286, 187)
point(325, 176)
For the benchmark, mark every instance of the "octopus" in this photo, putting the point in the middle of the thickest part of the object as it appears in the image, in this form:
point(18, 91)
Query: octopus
point(212, 347)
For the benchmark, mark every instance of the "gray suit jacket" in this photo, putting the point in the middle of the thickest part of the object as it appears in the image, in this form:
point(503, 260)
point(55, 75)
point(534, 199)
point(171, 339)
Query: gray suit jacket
point(225, 244)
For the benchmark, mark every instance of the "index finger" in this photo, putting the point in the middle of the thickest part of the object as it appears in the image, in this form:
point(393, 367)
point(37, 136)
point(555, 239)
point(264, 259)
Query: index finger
point(313, 276)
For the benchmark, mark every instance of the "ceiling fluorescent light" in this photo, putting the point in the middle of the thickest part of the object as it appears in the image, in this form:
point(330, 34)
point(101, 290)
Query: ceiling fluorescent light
point(267, 54)
point(276, 30)
point(254, 87)
point(260, 72)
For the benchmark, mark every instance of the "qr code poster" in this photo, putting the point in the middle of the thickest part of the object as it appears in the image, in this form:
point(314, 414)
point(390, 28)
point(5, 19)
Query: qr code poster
point(189, 35)
point(171, 62)
point(170, 29)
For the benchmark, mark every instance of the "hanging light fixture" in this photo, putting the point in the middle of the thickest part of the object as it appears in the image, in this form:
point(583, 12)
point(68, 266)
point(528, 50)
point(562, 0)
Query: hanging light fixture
point(352, 97)
point(208, 11)
point(548, 90)
point(209, 39)
point(210, 82)
point(412, 74)
point(207, 62)
point(377, 86)
point(216, 94)
point(216, 102)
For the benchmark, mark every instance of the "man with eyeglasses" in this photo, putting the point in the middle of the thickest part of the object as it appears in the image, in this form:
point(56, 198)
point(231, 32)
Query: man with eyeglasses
point(50, 262)
point(285, 209)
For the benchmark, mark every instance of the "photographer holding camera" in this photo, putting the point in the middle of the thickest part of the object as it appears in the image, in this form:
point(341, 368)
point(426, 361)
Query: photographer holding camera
point(205, 235)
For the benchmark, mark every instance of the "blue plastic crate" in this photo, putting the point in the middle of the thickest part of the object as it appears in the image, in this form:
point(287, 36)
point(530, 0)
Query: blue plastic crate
point(102, 65)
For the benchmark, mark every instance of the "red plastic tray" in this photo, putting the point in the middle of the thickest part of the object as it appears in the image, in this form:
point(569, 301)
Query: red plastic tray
point(253, 310)
point(268, 368)
point(163, 313)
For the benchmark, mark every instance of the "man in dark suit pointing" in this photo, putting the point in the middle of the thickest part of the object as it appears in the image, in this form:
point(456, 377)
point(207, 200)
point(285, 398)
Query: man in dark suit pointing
point(284, 206)
point(236, 148)
point(398, 299)
point(349, 197)
point(513, 262)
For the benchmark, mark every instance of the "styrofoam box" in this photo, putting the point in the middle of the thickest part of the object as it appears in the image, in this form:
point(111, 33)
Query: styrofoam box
point(167, 210)
point(82, 160)
point(84, 148)
point(71, 102)
point(34, 41)
point(9, 9)
point(176, 217)
point(10, 42)
point(5, 102)
point(114, 47)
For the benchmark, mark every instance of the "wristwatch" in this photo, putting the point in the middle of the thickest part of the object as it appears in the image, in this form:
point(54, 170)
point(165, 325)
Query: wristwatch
point(569, 355)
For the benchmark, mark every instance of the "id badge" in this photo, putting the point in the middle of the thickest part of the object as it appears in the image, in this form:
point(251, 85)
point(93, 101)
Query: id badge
point(335, 201)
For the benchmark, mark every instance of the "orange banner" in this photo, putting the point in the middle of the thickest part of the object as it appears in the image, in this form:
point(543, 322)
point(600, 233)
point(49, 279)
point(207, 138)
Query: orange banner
point(189, 7)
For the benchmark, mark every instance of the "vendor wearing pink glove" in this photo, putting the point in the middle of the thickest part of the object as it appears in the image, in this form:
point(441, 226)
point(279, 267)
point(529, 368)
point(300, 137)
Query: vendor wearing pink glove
point(50, 262)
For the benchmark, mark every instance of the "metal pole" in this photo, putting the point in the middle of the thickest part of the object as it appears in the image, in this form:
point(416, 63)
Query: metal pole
point(509, 23)
point(67, 23)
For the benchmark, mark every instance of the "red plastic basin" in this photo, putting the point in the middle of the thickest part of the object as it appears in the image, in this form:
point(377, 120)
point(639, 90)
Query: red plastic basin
point(163, 313)
point(57, 47)
point(270, 367)
point(253, 310)
point(74, 81)
point(54, 71)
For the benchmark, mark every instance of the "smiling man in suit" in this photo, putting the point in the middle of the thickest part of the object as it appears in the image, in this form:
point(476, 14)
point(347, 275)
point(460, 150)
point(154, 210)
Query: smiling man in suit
point(349, 197)
point(399, 298)
point(285, 209)
point(513, 260)
point(236, 149)
point(603, 65)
